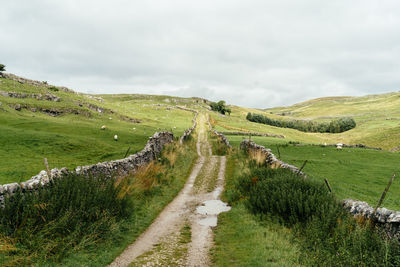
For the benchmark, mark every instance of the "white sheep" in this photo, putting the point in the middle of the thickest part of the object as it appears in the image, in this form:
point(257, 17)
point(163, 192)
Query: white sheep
point(339, 146)
point(116, 137)
point(103, 127)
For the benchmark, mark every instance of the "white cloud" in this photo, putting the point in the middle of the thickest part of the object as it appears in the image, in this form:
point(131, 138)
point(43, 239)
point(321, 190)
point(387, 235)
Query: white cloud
point(253, 53)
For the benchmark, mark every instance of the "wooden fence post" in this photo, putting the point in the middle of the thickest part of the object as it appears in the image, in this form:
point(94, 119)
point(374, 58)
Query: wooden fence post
point(384, 194)
point(129, 148)
point(47, 168)
point(279, 153)
point(304, 164)
point(328, 185)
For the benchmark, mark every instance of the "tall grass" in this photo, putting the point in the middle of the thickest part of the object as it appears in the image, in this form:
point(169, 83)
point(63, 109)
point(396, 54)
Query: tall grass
point(326, 232)
point(69, 214)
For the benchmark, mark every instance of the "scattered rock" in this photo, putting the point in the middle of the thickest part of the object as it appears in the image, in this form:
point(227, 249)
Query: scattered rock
point(17, 107)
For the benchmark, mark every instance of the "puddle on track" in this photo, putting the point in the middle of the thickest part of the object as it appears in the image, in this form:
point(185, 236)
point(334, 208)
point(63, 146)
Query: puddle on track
point(211, 208)
point(209, 221)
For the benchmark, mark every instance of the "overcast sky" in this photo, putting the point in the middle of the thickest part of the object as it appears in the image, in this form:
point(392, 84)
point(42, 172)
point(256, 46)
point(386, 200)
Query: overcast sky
point(250, 53)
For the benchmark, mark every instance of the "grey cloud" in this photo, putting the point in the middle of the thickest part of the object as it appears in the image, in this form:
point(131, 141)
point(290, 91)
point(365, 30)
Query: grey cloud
point(252, 53)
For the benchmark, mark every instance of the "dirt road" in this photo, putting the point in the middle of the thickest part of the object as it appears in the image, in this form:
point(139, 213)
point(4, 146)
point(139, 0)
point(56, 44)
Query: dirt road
point(182, 233)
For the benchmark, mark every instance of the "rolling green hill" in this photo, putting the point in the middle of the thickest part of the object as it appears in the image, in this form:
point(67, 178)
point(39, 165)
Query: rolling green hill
point(68, 131)
point(377, 118)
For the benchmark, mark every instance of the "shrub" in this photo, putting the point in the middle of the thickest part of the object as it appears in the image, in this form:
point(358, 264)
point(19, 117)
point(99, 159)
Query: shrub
point(2, 67)
point(335, 126)
point(290, 198)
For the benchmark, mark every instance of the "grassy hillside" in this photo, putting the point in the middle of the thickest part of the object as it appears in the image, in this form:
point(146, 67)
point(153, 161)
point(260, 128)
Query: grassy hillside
point(68, 132)
point(377, 118)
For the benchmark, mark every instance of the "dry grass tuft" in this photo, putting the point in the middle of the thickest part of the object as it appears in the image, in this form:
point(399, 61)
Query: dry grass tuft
point(258, 156)
point(6, 244)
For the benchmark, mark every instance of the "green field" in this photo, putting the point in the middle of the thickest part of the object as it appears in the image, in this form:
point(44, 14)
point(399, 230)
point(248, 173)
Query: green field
point(352, 172)
point(71, 139)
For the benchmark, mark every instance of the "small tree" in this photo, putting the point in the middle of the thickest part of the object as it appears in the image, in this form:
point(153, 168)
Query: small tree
point(2, 67)
point(220, 107)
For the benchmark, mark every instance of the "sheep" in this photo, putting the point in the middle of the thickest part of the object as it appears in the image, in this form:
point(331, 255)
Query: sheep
point(116, 137)
point(339, 146)
point(103, 127)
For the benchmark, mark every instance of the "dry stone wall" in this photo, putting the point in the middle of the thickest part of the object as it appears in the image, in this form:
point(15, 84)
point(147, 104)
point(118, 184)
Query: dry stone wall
point(356, 146)
point(222, 137)
point(387, 220)
point(254, 134)
point(108, 169)
point(271, 160)
point(188, 132)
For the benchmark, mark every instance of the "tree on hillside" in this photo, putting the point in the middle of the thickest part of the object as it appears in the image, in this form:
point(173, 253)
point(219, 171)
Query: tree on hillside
point(2, 67)
point(220, 107)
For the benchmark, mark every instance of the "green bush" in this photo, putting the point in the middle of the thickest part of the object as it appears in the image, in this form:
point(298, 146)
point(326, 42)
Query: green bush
point(291, 198)
point(53, 88)
point(220, 107)
point(2, 67)
point(71, 212)
point(336, 126)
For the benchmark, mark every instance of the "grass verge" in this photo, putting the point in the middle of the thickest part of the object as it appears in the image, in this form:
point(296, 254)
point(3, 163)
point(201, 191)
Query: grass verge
point(242, 239)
